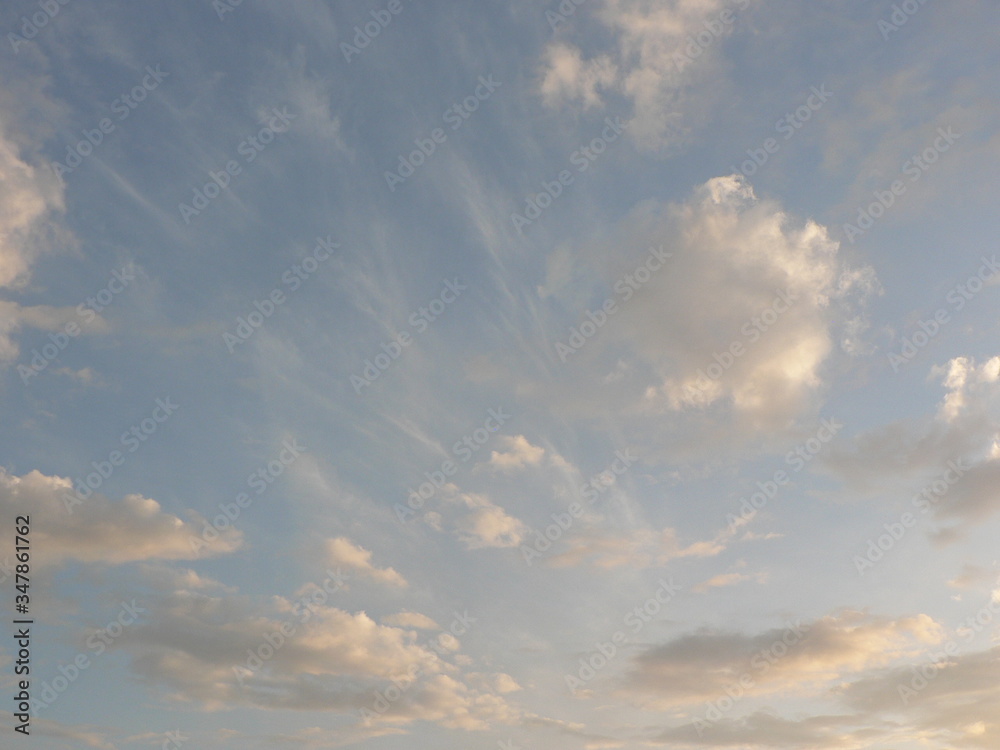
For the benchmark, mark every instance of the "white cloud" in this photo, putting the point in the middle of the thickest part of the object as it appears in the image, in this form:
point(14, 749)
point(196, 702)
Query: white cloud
point(730, 340)
point(99, 530)
point(568, 77)
point(30, 197)
point(650, 64)
point(207, 649)
point(487, 524)
point(342, 551)
point(519, 453)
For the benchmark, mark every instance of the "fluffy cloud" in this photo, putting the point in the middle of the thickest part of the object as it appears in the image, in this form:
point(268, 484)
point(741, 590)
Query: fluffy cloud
point(99, 530)
point(745, 288)
point(731, 338)
point(567, 77)
point(342, 551)
point(29, 197)
point(487, 524)
point(519, 453)
point(653, 63)
point(231, 651)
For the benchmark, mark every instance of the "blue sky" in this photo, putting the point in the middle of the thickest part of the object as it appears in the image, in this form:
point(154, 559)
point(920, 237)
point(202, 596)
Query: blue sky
point(594, 374)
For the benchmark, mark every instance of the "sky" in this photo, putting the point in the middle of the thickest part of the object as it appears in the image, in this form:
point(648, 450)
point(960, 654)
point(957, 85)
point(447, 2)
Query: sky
point(563, 374)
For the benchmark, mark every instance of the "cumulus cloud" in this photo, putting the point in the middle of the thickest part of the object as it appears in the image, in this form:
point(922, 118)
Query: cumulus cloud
point(487, 524)
point(220, 652)
point(99, 530)
point(519, 453)
point(746, 287)
point(732, 337)
point(342, 551)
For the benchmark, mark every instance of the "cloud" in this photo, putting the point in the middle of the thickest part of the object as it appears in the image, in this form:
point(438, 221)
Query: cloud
point(965, 427)
point(764, 729)
point(653, 63)
point(972, 575)
point(732, 339)
point(30, 198)
point(960, 700)
point(230, 651)
point(801, 657)
point(80, 735)
point(520, 453)
point(567, 77)
point(720, 581)
point(487, 524)
point(638, 548)
point(743, 256)
point(100, 530)
point(342, 551)
point(411, 620)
